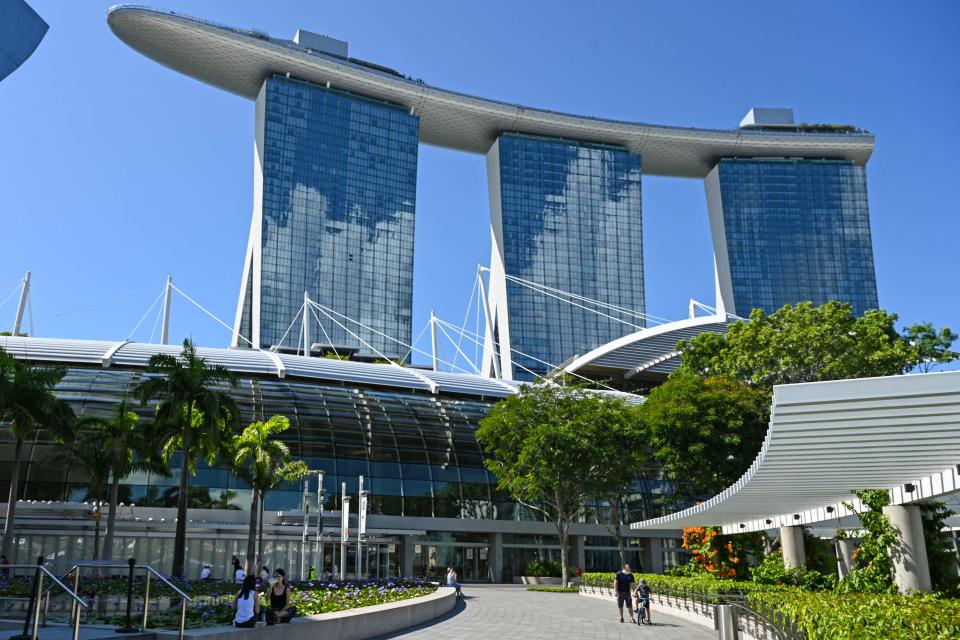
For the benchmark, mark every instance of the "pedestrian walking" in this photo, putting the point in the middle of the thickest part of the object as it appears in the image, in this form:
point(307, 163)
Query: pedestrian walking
point(622, 586)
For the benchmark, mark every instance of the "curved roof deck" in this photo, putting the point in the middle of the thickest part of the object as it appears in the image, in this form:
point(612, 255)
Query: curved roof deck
point(825, 439)
point(136, 355)
point(238, 61)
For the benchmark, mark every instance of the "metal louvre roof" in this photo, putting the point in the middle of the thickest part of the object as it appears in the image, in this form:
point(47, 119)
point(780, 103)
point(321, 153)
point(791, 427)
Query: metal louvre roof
point(652, 349)
point(248, 361)
point(238, 61)
point(828, 438)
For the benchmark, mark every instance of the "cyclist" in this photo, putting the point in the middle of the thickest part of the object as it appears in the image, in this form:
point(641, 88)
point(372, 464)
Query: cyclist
point(643, 600)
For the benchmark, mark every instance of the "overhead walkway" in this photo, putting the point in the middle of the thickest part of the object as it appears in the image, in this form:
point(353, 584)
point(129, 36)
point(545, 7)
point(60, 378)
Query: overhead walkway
point(826, 439)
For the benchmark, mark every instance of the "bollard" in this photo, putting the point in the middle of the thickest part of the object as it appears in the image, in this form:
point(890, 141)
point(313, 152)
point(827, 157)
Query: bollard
point(127, 628)
point(726, 622)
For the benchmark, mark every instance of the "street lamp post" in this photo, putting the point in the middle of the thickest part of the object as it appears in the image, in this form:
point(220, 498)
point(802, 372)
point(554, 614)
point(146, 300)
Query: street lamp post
point(306, 522)
point(344, 528)
point(319, 564)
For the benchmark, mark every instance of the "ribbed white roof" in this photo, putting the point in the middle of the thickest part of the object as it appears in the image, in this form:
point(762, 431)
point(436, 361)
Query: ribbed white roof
point(828, 438)
point(249, 361)
point(239, 60)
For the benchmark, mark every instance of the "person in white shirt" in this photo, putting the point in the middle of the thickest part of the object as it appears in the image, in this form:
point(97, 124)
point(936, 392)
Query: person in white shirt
point(246, 604)
point(205, 572)
point(238, 572)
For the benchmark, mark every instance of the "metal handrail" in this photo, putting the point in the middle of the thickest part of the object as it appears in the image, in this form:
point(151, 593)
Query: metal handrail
point(184, 597)
point(768, 624)
point(77, 600)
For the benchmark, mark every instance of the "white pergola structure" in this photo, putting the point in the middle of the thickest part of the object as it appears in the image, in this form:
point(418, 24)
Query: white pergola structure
point(825, 439)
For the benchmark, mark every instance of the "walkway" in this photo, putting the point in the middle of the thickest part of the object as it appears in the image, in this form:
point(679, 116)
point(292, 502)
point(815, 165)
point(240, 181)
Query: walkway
point(506, 611)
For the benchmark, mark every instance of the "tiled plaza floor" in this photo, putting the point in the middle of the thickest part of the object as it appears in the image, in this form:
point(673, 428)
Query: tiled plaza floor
point(503, 612)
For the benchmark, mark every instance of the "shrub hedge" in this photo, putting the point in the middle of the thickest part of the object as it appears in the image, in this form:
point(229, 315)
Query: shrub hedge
point(826, 615)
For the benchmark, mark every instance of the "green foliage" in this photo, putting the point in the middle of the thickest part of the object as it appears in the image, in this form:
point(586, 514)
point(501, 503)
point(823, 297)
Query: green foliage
point(873, 570)
point(548, 589)
point(854, 616)
point(701, 584)
point(930, 347)
point(801, 343)
point(705, 432)
point(820, 554)
point(940, 554)
point(687, 570)
point(542, 443)
point(771, 571)
point(539, 569)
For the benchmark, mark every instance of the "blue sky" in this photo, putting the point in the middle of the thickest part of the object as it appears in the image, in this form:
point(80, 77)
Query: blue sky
point(115, 171)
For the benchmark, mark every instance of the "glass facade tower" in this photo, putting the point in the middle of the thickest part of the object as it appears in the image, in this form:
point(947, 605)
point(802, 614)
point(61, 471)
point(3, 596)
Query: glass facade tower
point(21, 30)
point(334, 203)
point(791, 230)
point(566, 219)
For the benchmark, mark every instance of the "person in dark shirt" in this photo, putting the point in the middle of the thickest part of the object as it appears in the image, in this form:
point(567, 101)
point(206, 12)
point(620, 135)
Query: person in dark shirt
point(622, 585)
point(643, 599)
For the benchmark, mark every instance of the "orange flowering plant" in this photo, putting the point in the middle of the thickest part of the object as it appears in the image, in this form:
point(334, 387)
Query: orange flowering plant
point(720, 556)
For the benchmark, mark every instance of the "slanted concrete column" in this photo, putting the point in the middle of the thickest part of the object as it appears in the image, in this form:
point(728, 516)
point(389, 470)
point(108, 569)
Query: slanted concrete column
point(496, 557)
point(909, 555)
point(653, 555)
point(844, 547)
point(791, 542)
point(406, 557)
point(579, 558)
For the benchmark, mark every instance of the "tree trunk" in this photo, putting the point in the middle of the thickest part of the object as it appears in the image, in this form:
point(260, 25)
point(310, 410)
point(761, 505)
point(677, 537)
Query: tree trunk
point(252, 535)
point(180, 537)
point(111, 518)
point(615, 524)
point(563, 527)
point(260, 544)
point(12, 499)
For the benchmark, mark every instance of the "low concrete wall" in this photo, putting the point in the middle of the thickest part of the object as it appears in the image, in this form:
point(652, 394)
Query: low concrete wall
point(352, 624)
point(556, 582)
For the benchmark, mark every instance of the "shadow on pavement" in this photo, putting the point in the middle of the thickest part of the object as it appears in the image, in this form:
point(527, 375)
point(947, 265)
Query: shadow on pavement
point(457, 609)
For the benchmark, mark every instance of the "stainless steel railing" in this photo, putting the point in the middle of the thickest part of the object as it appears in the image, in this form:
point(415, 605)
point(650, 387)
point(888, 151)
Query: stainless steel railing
point(34, 610)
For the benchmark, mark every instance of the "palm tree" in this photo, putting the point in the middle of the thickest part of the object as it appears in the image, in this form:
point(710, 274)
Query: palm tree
point(27, 402)
point(127, 450)
point(87, 455)
point(264, 463)
point(193, 418)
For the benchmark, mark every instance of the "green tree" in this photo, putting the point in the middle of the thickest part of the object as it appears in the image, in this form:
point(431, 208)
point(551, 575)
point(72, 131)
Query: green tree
point(930, 347)
point(195, 417)
point(801, 343)
point(705, 432)
point(27, 403)
point(264, 462)
point(621, 456)
point(127, 449)
point(541, 443)
point(86, 455)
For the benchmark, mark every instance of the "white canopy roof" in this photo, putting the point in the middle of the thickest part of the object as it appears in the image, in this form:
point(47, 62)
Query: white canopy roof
point(828, 438)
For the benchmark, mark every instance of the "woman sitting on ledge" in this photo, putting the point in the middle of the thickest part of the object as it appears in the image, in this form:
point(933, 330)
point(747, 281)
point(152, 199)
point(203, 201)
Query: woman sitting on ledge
point(246, 604)
point(280, 609)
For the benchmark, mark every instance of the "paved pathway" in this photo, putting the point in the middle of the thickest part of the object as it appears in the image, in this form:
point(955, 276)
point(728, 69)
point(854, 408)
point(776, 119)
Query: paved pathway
point(506, 611)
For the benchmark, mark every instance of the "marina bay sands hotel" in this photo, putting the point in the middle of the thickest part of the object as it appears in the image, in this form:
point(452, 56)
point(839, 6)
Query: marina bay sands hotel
point(335, 175)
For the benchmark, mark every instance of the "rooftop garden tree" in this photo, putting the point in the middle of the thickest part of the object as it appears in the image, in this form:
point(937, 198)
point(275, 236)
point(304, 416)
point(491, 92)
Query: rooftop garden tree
point(543, 445)
point(195, 417)
point(27, 404)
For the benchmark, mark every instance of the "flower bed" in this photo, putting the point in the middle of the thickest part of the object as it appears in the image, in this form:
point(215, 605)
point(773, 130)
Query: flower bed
point(211, 599)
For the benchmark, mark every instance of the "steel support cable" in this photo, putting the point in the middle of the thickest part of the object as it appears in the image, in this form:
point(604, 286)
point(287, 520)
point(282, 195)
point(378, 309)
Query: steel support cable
point(466, 315)
point(325, 334)
point(536, 286)
point(475, 338)
point(457, 346)
point(426, 326)
point(202, 308)
point(10, 295)
point(89, 306)
point(367, 344)
point(571, 302)
point(295, 316)
point(156, 323)
point(145, 314)
point(379, 333)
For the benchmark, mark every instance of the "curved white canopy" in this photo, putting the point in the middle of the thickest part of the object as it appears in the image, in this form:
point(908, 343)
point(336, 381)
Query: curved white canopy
point(239, 60)
point(827, 438)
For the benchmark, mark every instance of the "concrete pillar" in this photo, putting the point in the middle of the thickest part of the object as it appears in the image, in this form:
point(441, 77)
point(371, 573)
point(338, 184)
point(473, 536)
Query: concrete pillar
point(653, 555)
point(406, 556)
point(909, 555)
point(496, 557)
point(844, 547)
point(579, 558)
point(791, 542)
